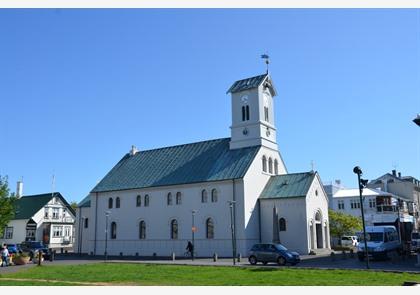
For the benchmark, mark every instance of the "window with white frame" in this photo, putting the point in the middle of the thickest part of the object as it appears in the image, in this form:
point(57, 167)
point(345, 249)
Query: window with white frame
point(203, 196)
point(67, 231)
point(372, 203)
point(46, 212)
point(214, 196)
point(146, 201)
point(354, 204)
point(55, 212)
point(341, 205)
point(30, 233)
point(8, 232)
point(57, 231)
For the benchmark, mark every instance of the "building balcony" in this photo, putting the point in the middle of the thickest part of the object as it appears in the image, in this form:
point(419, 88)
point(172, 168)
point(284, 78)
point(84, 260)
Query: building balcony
point(66, 219)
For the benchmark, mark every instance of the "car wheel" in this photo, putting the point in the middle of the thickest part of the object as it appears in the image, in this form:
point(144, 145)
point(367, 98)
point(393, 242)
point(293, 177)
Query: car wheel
point(253, 260)
point(281, 261)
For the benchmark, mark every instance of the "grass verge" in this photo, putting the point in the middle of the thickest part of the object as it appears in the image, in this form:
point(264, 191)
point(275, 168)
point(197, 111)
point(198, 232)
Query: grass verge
point(181, 275)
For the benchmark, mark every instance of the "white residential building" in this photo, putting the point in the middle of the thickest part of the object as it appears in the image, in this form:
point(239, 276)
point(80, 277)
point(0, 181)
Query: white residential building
point(153, 202)
point(45, 217)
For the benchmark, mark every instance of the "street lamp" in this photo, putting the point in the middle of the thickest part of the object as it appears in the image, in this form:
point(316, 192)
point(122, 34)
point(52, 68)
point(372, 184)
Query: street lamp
point(107, 213)
point(362, 184)
point(232, 228)
point(193, 229)
point(417, 120)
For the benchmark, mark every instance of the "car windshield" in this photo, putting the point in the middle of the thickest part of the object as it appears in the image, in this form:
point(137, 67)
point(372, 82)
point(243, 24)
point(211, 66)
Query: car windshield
point(373, 237)
point(280, 247)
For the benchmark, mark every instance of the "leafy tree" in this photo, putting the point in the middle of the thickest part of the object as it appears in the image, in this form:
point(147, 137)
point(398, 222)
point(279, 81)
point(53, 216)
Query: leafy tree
point(73, 204)
point(7, 201)
point(343, 224)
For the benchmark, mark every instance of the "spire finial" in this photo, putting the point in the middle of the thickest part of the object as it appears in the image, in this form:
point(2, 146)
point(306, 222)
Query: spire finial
point(267, 59)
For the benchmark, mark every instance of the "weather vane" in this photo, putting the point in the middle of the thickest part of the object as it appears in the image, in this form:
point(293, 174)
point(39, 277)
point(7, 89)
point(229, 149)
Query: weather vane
point(267, 60)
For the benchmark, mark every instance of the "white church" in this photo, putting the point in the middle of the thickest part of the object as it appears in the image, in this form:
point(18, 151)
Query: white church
point(153, 202)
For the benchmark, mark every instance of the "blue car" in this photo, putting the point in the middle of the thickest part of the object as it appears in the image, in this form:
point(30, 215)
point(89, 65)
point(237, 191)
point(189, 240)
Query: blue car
point(13, 248)
point(272, 253)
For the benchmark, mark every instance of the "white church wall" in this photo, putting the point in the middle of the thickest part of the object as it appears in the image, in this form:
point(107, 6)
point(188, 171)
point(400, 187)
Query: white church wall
point(158, 217)
point(317, 200)
point(254, 182)
point(293, 211)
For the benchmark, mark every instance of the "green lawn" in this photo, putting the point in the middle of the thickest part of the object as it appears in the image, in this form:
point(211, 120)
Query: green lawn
point(179, 275)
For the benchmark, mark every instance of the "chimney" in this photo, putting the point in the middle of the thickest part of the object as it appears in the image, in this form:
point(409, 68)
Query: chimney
point(399, 174)
point(394, 172)
point(133, 150)
point(19, 189)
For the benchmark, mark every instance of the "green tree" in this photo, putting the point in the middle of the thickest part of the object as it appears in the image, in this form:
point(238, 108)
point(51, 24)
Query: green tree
point(343, 224)
point(73, 204)
point(7, 201)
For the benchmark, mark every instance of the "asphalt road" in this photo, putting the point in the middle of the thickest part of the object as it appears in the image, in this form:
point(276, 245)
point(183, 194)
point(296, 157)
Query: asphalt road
point(339, 261)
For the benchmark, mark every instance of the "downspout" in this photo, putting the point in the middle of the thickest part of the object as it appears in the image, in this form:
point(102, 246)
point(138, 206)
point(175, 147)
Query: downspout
point(78, 236)
point(234, 214)
point(259, 219)
point(96, 223)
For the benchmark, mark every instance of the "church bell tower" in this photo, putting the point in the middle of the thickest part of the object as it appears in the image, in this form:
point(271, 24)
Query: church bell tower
point(253, 113)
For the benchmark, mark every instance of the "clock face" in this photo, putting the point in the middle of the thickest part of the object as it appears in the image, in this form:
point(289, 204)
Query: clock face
point(267, 132)
point(244, 98)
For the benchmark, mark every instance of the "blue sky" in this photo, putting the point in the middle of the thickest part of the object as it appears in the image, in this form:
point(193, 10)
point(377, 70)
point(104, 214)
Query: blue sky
point(78, 87)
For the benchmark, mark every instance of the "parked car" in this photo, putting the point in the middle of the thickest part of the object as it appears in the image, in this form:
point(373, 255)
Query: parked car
point(272, 253)
point(415, 241)
point(380, 240)
point(31, 247)
point(13, 248)
point(349, 241)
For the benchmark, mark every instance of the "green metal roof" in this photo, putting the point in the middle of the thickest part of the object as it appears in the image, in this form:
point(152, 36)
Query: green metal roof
point(28, 206)
point(85, 202)
point(288, 185)
point(247, 83)
point(210, 160)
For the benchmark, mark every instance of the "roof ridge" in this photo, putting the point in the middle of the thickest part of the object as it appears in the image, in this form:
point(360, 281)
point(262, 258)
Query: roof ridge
point(38, 195)
point(183, 144)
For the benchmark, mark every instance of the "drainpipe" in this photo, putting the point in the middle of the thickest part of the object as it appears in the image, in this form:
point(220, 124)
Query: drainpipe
point(96, 223)
point(234, 216)
point(259, 219)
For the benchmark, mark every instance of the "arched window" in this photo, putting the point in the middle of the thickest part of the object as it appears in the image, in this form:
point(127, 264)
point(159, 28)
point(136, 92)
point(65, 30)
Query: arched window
point(110, 201)
point(270, 165)
point(264, 163)
point(247, 112)
point(142, 230)
point(203, 196)
point(117, 202)
point(113, 230)
point(146, 201)
point(169, 199)
point(214, 195)
point(178, 198)
point(138, 202)
point(276, 167)
point(209, 228)
point(282, 224)
point(174, 229)
point(243, 113)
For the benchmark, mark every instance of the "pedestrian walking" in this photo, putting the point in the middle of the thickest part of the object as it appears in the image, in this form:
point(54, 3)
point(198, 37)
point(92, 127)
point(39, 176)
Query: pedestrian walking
point(4, 256)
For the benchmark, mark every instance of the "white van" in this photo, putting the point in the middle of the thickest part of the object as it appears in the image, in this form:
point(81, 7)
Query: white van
point(381, 240)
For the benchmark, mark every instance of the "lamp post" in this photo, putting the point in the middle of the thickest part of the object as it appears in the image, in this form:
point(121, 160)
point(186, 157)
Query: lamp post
point(417, 120)
point(232, 228)
point(362, 184)
point(107, 213)
point(193, 229)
